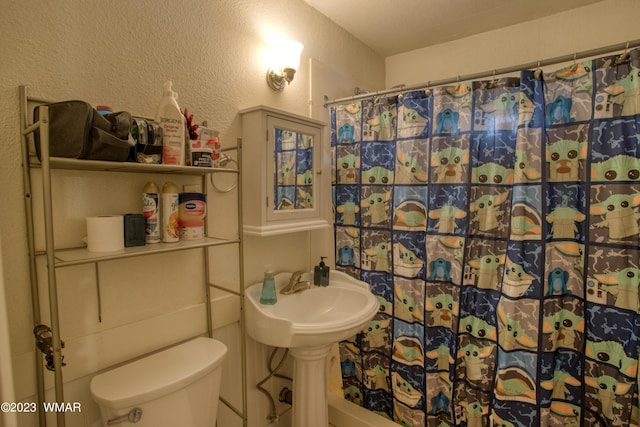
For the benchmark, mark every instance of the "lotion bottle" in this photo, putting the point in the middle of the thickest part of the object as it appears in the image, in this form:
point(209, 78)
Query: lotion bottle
point(170, 213)
point(173, 126)
point(151, 211)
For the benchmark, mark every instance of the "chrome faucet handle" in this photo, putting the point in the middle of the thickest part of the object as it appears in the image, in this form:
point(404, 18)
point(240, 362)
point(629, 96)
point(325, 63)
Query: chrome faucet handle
point(295, 277)
point(295, 285)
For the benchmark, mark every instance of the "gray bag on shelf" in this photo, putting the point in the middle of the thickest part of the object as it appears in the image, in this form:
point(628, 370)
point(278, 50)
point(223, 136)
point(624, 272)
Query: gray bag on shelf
point(77, 130)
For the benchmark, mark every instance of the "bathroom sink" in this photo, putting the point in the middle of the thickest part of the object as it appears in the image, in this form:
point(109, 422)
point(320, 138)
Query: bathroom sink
point(309, 322)
point(312, 317)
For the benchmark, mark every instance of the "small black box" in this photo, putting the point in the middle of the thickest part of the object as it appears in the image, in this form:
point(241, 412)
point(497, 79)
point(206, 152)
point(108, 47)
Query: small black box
point(134, 230)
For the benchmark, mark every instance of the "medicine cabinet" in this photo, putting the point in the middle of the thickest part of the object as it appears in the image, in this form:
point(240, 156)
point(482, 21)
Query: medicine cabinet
point(283, 166)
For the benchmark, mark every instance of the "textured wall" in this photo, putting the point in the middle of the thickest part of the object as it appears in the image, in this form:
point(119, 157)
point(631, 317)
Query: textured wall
point(120, 53)
point(597, 25)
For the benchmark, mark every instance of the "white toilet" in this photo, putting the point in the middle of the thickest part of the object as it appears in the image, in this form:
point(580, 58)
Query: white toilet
point(179, 386)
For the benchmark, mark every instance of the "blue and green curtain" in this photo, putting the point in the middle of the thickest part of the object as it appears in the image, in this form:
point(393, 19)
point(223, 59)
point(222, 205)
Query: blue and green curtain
point(497, 222)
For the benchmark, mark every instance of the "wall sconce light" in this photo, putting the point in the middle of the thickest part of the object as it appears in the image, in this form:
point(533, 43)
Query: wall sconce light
point(286, 61)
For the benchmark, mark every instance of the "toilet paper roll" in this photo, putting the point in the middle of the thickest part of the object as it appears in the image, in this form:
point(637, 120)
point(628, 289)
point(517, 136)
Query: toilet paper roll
point(105, 233)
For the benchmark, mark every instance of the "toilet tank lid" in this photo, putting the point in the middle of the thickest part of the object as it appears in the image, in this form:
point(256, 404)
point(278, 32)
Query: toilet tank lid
point(158, 374)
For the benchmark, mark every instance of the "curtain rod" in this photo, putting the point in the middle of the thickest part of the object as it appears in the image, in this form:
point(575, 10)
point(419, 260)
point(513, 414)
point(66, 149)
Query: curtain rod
point(536, 64)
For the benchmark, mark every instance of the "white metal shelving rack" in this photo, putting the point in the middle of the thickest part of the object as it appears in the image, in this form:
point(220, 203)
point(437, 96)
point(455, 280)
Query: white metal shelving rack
point(59, 258)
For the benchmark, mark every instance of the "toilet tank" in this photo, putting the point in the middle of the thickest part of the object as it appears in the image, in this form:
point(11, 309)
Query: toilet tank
point(177, 386)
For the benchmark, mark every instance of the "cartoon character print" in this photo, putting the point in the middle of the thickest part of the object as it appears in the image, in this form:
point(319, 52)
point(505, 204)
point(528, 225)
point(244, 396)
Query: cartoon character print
point(528, 155)
point(406, 416)
point(353, 394)
point(568, 95)
point(623, 286)
point(347, 246)
point(446, 217)
point(620, 217)
point(410, 215)
point(348, 210)
point(606, 390)
point(572, 252)
point(410, 122)
point(475, 413)
point(442, 310)
point(346, 133)
point(472, 358)
point(516, 281)
point(404, 391)
point(488, 211)
point(409, 168)
point(517, 329)
point(348, 166)
point(626, 92)
point(486, 270)
point(408, 351)
point(563, 324)
point(565, 159)
point(408, 301)
point(375, 206)
point(442, 357)
point(375, 375)
point(348, 123)
point(376, 333)
point(559, 383)
point(452, 109)
point(444, 211)
point(286, 172)
point(526, 109)
point(515, 383)
point(440, 269)
point(377, 175)
point(304, 199)
point(559, 111)
point(305, 178)
point(380, 124)
point(563, 222)
point(613, 354)
point(525, 170)
point(617, 168)
point(406, 262)
point(492, 173)
point(478, 328)
point(448, 165)
point(500, 112)
point(561, 414)
point(376, 257)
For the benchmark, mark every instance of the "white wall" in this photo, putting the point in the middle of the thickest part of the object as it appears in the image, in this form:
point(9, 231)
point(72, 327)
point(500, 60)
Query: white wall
point(120, 53)
point(598, 25)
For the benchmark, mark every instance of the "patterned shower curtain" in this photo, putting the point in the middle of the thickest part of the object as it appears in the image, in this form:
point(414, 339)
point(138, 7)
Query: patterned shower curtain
point(497, 222)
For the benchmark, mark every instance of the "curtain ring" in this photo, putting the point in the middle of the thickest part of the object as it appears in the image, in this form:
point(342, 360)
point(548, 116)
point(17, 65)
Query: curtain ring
point(428, 90)
point(624, 56)
point(538, 72)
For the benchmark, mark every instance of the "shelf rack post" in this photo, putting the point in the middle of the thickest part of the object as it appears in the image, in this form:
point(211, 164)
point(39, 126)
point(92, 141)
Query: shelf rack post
point(33, 277)
point(51, 271)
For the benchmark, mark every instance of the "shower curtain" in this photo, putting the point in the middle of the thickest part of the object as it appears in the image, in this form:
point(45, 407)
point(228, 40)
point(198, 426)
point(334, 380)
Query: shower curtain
point(497, 222)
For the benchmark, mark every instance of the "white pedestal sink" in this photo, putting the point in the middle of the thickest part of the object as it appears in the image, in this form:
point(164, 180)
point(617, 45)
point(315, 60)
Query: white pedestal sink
point(309, 322)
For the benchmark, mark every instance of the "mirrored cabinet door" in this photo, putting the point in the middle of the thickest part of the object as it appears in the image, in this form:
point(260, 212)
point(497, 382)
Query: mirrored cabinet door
point(286, 152)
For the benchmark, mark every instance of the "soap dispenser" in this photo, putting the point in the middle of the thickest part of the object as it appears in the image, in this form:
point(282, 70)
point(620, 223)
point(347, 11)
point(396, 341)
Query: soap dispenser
point(321, 273)
point(268, 295)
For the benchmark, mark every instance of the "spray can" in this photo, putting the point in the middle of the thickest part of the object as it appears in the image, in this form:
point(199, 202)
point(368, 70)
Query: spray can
point(170, 213)
point(151, 211)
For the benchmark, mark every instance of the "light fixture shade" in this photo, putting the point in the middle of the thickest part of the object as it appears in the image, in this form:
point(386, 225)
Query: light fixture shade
point(289, 54)
point(286, 60)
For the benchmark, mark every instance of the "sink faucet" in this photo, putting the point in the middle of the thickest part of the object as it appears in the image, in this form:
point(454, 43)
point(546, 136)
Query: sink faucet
point(295, 285)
